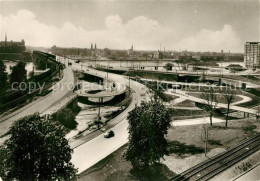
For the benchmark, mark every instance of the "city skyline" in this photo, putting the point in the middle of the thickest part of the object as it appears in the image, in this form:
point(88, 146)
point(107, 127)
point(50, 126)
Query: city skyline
point(175, 25)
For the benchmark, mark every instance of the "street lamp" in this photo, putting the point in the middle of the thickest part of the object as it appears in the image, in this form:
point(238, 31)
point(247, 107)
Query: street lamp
point(129, 84)
point(107, 71)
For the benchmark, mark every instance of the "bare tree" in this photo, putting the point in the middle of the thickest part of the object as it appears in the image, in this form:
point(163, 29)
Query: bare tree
point(208, 94)
point(229, 96)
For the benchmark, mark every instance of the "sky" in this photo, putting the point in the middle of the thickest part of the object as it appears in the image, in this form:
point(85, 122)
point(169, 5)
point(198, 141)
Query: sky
point(204, 25)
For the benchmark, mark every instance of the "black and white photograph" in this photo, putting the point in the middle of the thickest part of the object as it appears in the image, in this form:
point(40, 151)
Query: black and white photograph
point(129, 90)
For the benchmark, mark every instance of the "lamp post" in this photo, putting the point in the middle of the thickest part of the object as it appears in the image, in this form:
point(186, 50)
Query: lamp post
point(129, 84)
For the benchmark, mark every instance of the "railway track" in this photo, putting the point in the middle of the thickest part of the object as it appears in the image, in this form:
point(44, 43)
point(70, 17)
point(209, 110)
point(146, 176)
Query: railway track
point(215, 165)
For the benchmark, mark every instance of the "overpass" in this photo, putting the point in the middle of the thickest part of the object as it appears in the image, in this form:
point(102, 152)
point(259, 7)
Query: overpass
point(117, 87)
point(89, 152)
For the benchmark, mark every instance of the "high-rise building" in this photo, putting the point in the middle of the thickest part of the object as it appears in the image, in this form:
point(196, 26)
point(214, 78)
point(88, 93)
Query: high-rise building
point(252, 55)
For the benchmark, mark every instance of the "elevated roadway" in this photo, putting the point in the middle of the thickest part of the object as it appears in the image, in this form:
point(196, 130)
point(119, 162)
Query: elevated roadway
point(117, 87)
point(89, 153)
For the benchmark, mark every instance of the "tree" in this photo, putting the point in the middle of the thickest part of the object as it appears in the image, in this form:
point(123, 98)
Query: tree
point(229, 96)
point(148, 125)
point(208, 94)
point(37, 150)
point(168, 66)
point(18, 73)
point(98, 123)
point(67, 118)
point(3, 79)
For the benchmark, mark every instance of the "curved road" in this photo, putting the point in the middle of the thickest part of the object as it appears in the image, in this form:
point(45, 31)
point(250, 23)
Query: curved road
point(91, 152)
point(60, 91)
point(219, 105)
point(118, 89)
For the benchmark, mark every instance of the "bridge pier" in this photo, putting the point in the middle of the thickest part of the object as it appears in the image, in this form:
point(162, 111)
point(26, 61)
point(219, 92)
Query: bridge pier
point(243, 86)
point(219, 81)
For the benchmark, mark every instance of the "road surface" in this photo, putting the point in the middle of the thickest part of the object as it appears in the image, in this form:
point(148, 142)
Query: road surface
point(177, 92)
point(43, 104)
point(91, 152)
point(252, 175)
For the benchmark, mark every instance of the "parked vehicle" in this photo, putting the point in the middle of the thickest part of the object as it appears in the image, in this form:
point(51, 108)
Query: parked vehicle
point(109, 134)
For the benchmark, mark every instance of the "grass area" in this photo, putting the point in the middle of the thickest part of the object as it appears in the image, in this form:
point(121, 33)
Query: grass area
point(214, 142)
point(249, 128)
point(113, 114)
point(182, 141)
point(178, 113)
point(115, 168)
point(219, 135)
point(220, 98)
point(180, 149)
point(186, 103)
point(164, 97)
point(159, 88)
point(254, 94)
point(251, 77)
point(245, 78)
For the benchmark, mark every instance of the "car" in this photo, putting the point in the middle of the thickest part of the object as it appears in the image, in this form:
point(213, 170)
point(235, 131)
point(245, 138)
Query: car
point(109, 134)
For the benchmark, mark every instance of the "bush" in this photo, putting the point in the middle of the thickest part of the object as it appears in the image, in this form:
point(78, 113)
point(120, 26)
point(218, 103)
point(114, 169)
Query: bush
point(214, 142)
point(67, 118)
point(181, 148)
point(249, 128)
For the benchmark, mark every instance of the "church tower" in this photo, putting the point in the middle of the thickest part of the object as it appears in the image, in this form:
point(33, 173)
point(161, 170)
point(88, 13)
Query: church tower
point(5, 39)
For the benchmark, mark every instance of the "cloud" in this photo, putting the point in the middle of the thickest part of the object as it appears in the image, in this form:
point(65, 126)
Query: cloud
point(208, 40)
point(143, 32)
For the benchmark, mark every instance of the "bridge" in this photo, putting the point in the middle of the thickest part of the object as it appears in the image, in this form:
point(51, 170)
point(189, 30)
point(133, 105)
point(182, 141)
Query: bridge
point(118, 88)
point(115, 89)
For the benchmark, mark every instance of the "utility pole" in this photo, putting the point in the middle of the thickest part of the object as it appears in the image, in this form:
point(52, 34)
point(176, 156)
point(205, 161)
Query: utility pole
point(99, 102)
point(129, 84)
point(107, 71)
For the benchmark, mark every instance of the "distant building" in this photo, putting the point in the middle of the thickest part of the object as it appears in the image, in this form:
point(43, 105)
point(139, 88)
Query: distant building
point(252, 55)
point(11, 50)
point(130, 52)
